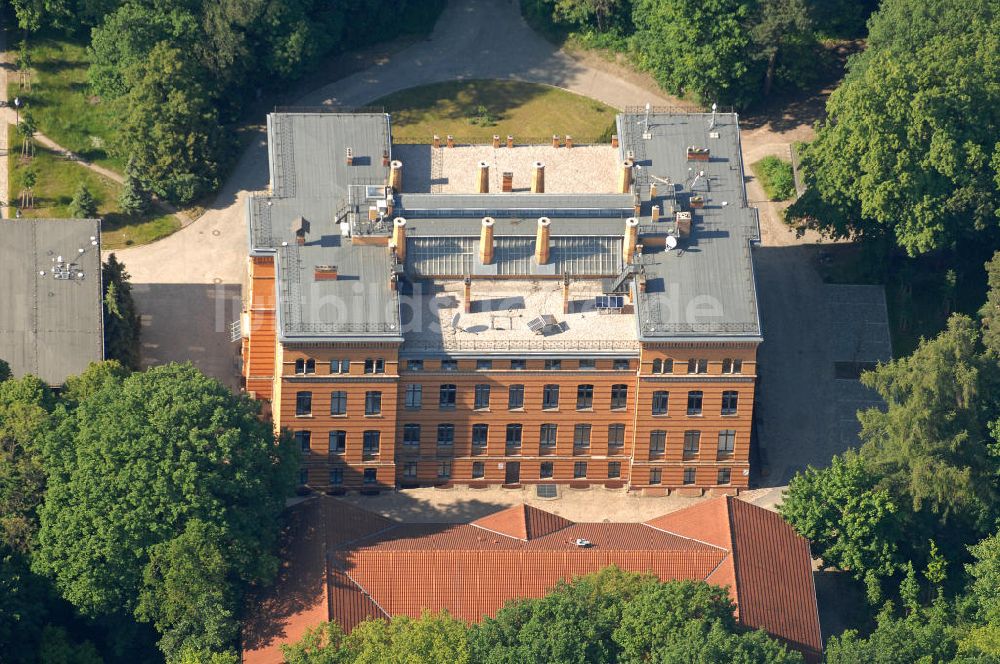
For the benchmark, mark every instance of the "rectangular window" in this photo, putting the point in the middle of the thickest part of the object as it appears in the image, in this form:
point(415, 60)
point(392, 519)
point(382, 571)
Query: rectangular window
point(550, 396)
point(616, 436)
point(373, 403)
point(692, 443)
point(661, 401)
point(694, 402)
point(697, 366)
point(303, 439)
point(518, 365)
point(411, 435)
point(449, 365)
point(303, 403)
point(553, 365)
point(657, 442)
point(480, 434)
point(732, 366)
point(725, 476)
point(446, 398)
point(374, 366)
point(588, 365)
point(410, 470)
point(446, 434)
point(310, 366)
point(414, 365)
point(338, 442)
point(372, 442)
point(414, 396)
point(619, 397)
point(300, 366)
point(338, 403)
point(371, 475)
point(515, 397)
point(730, 402)
point(545, 472)
point(621, 364)
point(663, 366)
point(547, 435)
point(340, 366)
point(689, 476)
point(581, 435)
point(484, 365)
point(580, 470)
point(727, 442)
point(336, 476)
point(584, 397)
point(614, 470)
point(369, 366)
point(655, 476)
point(478, 470)
point(444, 470)
point(482, 396)
point(514, 435)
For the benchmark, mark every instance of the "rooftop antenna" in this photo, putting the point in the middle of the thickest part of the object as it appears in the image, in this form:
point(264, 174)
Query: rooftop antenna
point(697, 177)
point(645, 122)
point(711, 125)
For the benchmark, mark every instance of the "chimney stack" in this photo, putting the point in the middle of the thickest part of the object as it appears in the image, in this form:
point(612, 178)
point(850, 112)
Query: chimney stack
point(496, 141)
point(625, 176)
point(652, 191)
point(565, 294)
point(467, 304)
point(301, 228)
point(450, 141)
point(486, 241)
point(396, 175)
point(507, 184)
point(656, 213)
point(325, 273)
point(569, 141)
point(483, 178)
point(510, 141)
point(538, 178)
point(350, 157)
point(542, 241)
point(631, 238)
point(399, 238)
point(385, 157)
point(614, 140)
point(436, 142)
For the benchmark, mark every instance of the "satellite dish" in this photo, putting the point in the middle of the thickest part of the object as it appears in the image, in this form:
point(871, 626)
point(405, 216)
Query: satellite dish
point(454, 320)
point(671, 242)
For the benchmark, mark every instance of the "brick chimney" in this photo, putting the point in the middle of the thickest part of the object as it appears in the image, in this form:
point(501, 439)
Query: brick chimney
point(325, 273)
point(399, 238)
point(396, 175)
point(486, 241)
point(538, 178)
point(565, 294)
point(625, 176)
point(467, 300)
point(483, 178)
point(507, 182)
point(631, 239)
point(542, 241)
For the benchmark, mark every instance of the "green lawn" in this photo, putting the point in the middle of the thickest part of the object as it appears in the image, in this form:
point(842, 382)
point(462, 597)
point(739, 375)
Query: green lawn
point(529, 112)
point(57, 180)
point(61, 103)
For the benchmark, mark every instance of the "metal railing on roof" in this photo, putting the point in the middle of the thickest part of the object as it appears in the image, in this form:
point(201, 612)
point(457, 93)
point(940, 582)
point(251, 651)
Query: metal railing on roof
point(519, 141)
point(330, 109)
point(519, 345)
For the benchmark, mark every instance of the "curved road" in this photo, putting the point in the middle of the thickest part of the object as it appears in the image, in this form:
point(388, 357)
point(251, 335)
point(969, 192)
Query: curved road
point(187, 286)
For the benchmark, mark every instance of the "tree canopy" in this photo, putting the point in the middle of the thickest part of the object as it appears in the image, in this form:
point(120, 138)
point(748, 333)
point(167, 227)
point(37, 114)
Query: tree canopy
point(163, 496)
point(909, 148)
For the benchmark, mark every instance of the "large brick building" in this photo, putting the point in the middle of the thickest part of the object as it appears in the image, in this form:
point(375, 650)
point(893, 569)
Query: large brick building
point(410, 334)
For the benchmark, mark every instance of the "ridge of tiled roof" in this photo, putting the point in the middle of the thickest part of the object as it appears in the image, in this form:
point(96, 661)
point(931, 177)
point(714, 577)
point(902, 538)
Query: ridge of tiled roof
point(523, 522)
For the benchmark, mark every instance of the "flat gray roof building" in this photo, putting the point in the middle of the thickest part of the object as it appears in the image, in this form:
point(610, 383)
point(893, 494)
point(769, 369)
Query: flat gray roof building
point(51, 317)
point(329, 214)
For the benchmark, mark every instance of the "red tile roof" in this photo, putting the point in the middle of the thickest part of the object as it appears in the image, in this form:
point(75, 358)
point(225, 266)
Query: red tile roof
point(371, 566)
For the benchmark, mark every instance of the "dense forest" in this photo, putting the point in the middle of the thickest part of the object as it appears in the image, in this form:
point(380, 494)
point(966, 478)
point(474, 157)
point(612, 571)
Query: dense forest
point(179, 72)
point(120, 536)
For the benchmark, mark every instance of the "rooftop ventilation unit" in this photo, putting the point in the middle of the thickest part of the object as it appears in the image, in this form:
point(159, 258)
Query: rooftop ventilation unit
point(609, 303)
point(544, 325)
point(583, 543)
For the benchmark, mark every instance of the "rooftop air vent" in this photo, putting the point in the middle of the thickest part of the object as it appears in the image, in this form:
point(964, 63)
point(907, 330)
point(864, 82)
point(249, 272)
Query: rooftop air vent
point(583, 543)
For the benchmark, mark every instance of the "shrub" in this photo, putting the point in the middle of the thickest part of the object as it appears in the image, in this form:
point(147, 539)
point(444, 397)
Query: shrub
point(775, 177)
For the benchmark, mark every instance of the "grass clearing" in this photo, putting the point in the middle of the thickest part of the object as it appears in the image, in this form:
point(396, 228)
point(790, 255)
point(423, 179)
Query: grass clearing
point(473, 111)
point(57, 180)
point(60, 101)
point(776, 177)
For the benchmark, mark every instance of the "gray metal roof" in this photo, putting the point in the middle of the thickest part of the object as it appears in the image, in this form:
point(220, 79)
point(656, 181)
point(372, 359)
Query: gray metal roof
point(705, 287)
point(50, 327)
point(513, 256)
point(702, 290)
point(359, 303)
